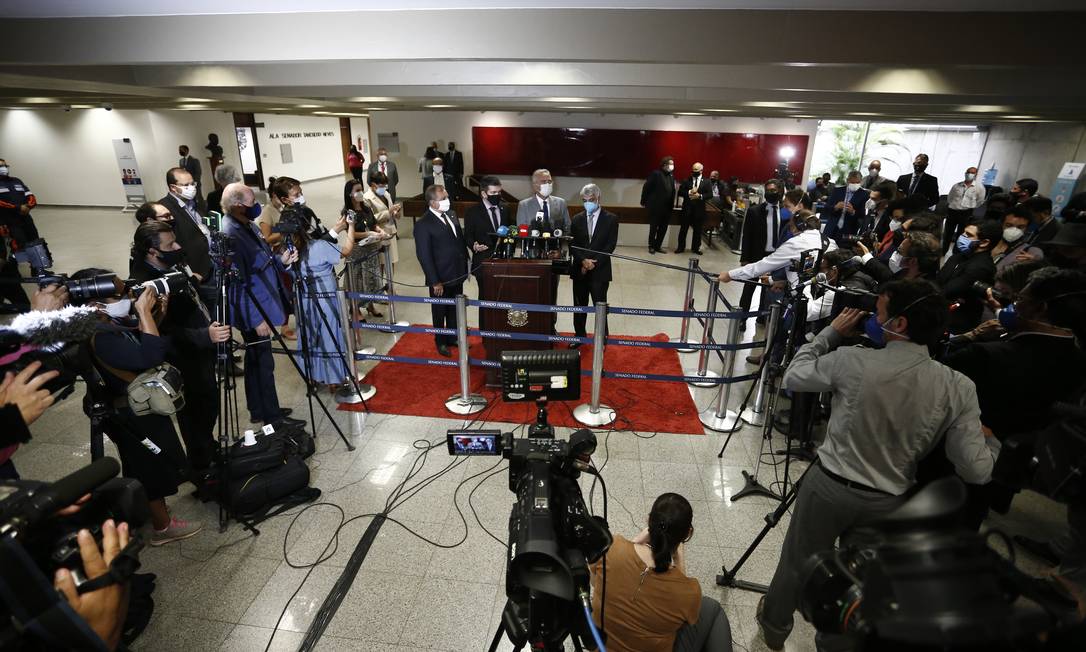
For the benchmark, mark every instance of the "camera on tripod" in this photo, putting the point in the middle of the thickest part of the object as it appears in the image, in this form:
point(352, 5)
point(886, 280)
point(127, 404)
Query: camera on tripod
point(853, 298)
point(807, 265)
point(36, 254)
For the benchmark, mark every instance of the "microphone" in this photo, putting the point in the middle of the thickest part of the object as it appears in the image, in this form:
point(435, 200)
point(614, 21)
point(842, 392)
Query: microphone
point(46, 329)
point(70, 488)
point(821, 278)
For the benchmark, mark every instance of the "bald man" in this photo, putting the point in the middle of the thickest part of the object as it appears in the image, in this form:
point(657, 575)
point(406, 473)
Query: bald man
point(694, 191)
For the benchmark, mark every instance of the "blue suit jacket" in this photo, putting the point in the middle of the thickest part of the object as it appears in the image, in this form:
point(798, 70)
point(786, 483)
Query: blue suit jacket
point(259, 270)
point(852, 221)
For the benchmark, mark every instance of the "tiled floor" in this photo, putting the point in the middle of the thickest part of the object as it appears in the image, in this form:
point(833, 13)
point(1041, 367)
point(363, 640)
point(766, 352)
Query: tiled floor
point(228, 590)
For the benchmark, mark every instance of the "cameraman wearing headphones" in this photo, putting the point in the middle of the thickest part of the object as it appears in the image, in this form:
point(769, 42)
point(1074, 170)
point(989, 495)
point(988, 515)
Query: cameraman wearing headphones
point(148, 446)
point(192, 333)
point(891, 406)
point(806, 226)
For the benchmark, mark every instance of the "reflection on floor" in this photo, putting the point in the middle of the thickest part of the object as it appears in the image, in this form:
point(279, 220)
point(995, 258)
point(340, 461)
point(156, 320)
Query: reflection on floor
point(228, 590)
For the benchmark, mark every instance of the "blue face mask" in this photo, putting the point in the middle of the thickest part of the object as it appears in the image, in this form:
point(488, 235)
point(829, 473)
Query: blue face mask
point(964, 244)
point(252, 212)
point(1008, 317)
point(876, 332)
point(785, 214)
point(591, 207)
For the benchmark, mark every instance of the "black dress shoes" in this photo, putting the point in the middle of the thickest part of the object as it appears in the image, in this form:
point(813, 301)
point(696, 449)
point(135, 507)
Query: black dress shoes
point(652, 250)
point(576, 345)
point(444, 350)
point(679, 251)
point(285, 423)
point(698, 252)
point(283, 414)
point(661, 251)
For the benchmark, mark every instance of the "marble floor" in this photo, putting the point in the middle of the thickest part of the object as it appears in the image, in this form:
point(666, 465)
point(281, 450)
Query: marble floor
point(233, 591)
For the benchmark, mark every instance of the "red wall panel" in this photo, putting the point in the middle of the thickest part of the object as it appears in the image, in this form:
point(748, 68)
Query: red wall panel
point(628, 153)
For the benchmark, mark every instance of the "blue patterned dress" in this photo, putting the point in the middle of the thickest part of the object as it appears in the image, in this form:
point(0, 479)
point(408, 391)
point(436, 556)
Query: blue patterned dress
point(324, 336)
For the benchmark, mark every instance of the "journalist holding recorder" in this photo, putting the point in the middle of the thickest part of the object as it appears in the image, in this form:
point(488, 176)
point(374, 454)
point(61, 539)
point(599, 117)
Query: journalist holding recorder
point(891, 406)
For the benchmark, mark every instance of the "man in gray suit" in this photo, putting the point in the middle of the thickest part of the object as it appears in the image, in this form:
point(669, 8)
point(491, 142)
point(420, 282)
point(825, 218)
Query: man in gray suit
point(382, 164)
point(553, 208)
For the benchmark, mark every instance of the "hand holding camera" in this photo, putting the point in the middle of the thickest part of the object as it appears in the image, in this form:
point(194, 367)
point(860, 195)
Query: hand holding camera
point(147, 301)
point(289, 256)
point(50, 297)
point(846, 324)
point(24, 390)
point(104, 608)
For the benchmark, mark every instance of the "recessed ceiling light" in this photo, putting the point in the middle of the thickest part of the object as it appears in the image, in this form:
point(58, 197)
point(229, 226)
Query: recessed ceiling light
point(191, 107)
point(575, 107)
point(194, 99)
point(309, 106)
point(439, 106)
point(38, 100)
point(376, 108)
point(278, 108)
point(1022, 117)
point(984, 108)
point(564, 99)
point(687, 113)
point(864, 113)
point(720, 110)
point(769, 105)
point(371, 99)
point(82, 106)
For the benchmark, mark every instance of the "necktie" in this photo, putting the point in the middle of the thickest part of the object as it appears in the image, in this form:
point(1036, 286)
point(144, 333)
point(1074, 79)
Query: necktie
point(546, 210)
point(776, 225)
point(591, 225)
point(916, 180)
point(448, 222)
point(494, 217)
point(383, 168)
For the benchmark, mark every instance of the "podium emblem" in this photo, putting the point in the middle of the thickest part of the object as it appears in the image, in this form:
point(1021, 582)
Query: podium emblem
point(517, 318)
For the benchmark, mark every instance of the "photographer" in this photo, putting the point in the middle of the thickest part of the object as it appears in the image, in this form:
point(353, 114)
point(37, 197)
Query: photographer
point(103, 609)
point(148, 446)
point(841, 270)
point(652, 604)
point(193, 336)
point(289, 193)
point(890, 407)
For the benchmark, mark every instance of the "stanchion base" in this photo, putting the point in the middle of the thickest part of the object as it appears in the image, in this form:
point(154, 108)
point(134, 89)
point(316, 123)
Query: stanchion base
point(366, 350)
point(752, 417)
point(676, 340)
point(709, 373)
point(728, 423)
point(458, 405)
point(387, 327)
point(753, 488)
point(583, 414)
point(346, 394)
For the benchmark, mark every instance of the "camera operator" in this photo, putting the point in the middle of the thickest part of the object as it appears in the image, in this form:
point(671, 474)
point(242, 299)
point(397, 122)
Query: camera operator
point(917, 256)
point(842, 270)
point(289, 193)
point(1020, 376)
point(259, 288)
point(148, 445)
point(890, 406)
point(807, 236)
point(104, 609)
point(972, 262)
point(652, 604)
point(193, 335)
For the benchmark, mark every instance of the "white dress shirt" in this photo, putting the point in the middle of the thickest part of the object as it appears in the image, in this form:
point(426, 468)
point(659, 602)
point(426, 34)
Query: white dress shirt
point(772, 231)
point(965, 197)
point(782, 257)
point(592, 217)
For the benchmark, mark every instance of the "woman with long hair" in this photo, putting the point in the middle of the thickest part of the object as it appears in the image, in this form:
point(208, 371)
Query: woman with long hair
point(366, 259)
point(318, 320)
point(652, 604)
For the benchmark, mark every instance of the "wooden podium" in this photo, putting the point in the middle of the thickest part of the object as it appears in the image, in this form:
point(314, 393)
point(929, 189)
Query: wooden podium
point(516, 280)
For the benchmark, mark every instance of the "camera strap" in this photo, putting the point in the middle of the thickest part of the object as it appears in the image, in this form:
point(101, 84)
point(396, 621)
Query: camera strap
point(121, 569)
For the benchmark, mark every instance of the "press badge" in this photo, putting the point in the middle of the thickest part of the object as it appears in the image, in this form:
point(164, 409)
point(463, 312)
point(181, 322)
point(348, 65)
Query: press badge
point(150, 445)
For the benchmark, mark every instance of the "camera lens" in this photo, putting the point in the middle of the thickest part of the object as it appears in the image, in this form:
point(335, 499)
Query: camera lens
point(98, 287)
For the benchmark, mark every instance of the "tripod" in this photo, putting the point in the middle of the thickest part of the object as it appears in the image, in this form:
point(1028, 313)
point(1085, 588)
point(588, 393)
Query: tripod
point(727, 577)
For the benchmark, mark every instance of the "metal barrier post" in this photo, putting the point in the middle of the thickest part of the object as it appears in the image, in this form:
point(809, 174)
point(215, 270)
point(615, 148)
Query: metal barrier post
point(347, 393)
point(688, 304)
point(355, 310)
point(593, 414)
point(465, 402)
point(706, 337)
point(720, 418)
point(391, 290)
point(754, 415)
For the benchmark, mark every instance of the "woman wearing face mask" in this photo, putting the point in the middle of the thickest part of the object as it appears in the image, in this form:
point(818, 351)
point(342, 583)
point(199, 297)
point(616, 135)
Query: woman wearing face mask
point(379, 199)
point(1013, 247)
point(366, 263)
point(652, 605)
point(123, 347)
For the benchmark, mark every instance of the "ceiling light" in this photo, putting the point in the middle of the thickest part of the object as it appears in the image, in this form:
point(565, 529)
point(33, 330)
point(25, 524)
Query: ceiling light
point(439, 106)
point(720, 110)
point(38, 100)
point(82, 106)
point(194, 99)
point(863, 113)
point(278, 108)
point(687, 113)
point(575, 107)
point(309, 106)
point(191, 107)
point(787, 152)
point(564, 99)
point(984, 108)
point(1022, 117)
point(769, 105)
point(371, 99)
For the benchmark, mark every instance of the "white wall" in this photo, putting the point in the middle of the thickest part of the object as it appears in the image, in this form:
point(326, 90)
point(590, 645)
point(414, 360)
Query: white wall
point(316, 155)
point(67, 157)
point(418, 128)
point(1036, 151)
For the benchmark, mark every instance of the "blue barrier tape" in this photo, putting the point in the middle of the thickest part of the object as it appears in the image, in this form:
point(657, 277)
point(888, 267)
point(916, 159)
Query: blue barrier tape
point(680, 379)
point(363, 296)
point(530, 307)
point(697, 346)
point(400, 358)
point(531, 337)
point(485, 363)
point(425, 330)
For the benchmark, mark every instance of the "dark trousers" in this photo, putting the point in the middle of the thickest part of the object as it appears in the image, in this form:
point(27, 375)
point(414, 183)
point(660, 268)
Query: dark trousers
point(711, 633)
point(583, 288)
point(149, 450)
point(445, 315)
point(197, 419)
point(260, 391)
point(658, 219)
point(698, 223)
point(956, 222)
point(357, 173)
point(11, 289)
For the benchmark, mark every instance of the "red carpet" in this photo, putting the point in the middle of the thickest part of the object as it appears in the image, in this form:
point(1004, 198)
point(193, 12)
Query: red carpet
point(645, 406)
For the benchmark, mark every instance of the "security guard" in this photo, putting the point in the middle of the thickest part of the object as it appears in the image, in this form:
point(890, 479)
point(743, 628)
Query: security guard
point(16, 200)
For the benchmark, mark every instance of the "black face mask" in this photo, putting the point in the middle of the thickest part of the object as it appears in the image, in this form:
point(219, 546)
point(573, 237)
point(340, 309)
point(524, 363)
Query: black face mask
point(172, 258)
point(772, 197)
point(920, 167)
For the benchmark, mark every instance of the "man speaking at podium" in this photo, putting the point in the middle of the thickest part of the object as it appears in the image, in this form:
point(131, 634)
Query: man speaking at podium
point(481, 222)
point(554, 211)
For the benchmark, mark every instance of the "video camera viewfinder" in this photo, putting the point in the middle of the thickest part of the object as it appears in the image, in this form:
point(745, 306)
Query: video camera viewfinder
point(474, 442)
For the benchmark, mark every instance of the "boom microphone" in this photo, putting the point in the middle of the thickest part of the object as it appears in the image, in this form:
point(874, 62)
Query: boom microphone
point(70, 488)
point(46, 329)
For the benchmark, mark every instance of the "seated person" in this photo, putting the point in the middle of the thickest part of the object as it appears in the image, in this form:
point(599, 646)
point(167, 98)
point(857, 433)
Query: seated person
point(652, 605)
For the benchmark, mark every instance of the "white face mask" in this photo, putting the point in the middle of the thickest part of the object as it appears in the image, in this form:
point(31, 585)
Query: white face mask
point(1013, 234)
point(444, 205)
point(118, 310)
point(895, 225)
point(438, 169)
point(3, 170)
point(969, 176)
point(853, 187)
point(299, 200)
point(873, 173)
point(382, 158)
point(670, 167)
point(895, 262)
point(188, 192)
point(545, 189)
point(358, 195)
point(381, 191)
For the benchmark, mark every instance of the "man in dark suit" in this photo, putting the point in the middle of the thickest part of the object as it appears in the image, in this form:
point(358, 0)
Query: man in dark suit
point(192, 166)
point(388, 168)
point(920, 182)
point(440, 178)
point(454, 162)
point(971, 262)
point(845, 207)
point(594, 229)
point(482, 220)
point(658, 196)
point(760, 236)
point(694, 191)
point(1044, 226)
point(192, 234)
point(443, 255)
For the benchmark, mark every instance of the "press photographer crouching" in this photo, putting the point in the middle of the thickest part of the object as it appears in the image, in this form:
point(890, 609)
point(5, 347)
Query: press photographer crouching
point(890, 407)
point(652, 604)
point(123, 348)
point(192, 335)
point(842, 270)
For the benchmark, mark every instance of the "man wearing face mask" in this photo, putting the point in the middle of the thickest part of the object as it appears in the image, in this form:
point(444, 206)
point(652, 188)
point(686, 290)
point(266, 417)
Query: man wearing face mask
point(971, 262)
point(917, 256)
point(844, 208)
point(443, 255)
point(694, 192)
point(554, 209)
point(861, 477)
point(658, 197)
point(191, 164)
point(388, 168)
point(193, 334)
point(192, 234)
point(877, 222)
point(1022, 190)
point(1068, 248)
point(289, 193)
point(595, 229)
point(1014, 248)
point(761, 235)
point(16, 201)
point(874, 175)
point(439, 177)
point(920, 182)
point(1044, 227)
point(258, 292)
point(481, 222)
point(962, 200)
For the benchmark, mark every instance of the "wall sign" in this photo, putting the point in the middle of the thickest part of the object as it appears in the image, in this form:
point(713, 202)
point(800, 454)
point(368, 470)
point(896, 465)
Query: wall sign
point(131, 181)
point(1064, 186)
